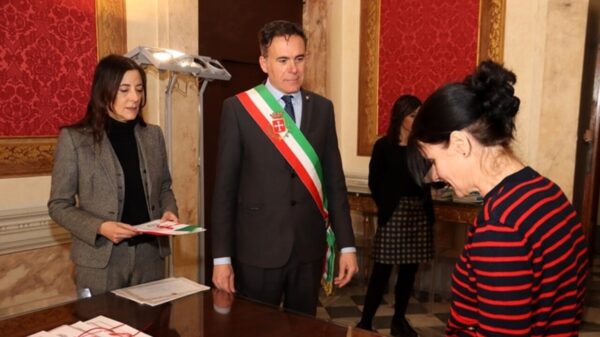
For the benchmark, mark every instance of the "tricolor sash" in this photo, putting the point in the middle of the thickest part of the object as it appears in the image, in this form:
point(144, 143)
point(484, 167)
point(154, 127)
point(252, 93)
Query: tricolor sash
point(279, 127)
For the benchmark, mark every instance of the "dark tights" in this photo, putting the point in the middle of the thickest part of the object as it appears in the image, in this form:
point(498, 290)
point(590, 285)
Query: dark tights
point(377, 285)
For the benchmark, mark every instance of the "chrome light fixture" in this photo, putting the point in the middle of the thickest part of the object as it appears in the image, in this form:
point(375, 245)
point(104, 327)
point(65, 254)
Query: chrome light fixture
point(205, 69)
point(176, 61)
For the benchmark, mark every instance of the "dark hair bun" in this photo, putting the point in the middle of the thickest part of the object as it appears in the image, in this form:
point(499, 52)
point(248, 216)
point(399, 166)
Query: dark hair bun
point(493, 85)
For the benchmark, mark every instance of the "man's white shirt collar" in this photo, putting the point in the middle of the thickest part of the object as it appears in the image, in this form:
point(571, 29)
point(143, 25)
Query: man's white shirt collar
point(296, 101)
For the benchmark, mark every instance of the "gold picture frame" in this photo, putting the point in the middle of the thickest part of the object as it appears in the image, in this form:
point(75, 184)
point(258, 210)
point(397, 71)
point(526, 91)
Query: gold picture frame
point(33, 156)
point(490, 46)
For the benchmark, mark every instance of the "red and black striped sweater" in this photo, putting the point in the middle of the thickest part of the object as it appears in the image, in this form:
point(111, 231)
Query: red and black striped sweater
point(524, 266)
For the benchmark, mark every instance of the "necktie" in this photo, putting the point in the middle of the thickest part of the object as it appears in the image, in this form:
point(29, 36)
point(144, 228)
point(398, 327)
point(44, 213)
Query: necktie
point(289, 108)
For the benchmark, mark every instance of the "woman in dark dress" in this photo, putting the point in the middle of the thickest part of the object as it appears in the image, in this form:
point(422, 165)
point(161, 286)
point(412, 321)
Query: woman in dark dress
point(404, 234)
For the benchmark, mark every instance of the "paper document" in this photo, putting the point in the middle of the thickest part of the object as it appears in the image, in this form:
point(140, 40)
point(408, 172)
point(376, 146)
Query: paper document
point(158, 228)
point(99, 326)
point(161, 291)
point(42, 334)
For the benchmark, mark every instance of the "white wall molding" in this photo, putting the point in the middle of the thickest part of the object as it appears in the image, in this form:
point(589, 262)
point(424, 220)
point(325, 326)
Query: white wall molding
point(29, 228)
point(357, 184)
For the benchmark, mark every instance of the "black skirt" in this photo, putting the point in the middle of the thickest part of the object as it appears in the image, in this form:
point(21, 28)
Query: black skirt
point(407, 237)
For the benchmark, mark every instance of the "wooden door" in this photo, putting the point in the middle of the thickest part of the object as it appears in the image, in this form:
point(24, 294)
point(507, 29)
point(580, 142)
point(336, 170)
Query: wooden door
point(586, 194)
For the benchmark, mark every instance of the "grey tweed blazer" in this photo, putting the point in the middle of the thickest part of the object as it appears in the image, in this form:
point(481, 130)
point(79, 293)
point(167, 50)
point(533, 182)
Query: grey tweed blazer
point(88, 189)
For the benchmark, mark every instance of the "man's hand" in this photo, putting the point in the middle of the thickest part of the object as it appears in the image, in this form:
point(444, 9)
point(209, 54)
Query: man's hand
point(223, 277)
point(348, 267)
point(117, 231)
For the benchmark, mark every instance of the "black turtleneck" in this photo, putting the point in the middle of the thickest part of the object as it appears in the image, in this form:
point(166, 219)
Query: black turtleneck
point(122, 138)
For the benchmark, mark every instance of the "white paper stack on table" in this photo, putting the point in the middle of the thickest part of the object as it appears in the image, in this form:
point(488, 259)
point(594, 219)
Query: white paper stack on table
point(161, 291)
point(155, 227)
point(99, 326)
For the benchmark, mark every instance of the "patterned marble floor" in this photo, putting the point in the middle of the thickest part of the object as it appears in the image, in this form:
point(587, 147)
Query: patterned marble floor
point(344, 307)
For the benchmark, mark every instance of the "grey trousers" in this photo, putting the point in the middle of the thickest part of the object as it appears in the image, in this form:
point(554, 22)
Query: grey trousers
point(128, 265)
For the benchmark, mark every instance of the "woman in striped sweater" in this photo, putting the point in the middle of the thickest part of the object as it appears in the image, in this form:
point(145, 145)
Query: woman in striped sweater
point(524, 266)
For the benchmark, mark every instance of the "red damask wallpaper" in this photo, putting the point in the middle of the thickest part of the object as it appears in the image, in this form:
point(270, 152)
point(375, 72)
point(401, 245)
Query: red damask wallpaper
point(47, 58)
point(423, 44)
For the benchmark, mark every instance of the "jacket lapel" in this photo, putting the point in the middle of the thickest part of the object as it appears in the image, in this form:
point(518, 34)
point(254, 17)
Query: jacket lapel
point(144, 145)
point(108, 160)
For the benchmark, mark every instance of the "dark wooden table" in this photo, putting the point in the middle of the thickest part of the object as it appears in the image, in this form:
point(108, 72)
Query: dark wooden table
point(197, 315)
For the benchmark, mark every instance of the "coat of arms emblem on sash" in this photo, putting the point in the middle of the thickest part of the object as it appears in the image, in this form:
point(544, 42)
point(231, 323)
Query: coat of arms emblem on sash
point(278, 124)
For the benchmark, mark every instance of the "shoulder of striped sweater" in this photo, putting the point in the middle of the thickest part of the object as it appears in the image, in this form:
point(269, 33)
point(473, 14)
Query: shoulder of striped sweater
point(526, 202)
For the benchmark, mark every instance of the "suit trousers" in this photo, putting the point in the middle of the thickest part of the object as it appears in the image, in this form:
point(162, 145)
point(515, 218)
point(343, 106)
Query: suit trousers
point(297, 283)
point(128, 266)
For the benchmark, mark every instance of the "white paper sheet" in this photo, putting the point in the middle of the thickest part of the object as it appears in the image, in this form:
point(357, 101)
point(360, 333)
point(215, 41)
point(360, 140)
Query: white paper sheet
point(161, 291)
point(42, 334)
point(99, 326)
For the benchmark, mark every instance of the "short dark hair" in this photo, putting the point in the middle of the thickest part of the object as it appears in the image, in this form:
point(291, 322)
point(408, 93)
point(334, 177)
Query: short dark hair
point(404, 106)
point(484, 104)
point(105, 86)
point(278, 28)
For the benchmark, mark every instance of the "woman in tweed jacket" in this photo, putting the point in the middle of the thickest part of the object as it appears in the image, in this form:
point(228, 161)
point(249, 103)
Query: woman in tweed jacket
point(110, 173)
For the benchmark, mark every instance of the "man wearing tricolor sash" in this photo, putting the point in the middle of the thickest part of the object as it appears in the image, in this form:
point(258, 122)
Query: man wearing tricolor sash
point(280, 194)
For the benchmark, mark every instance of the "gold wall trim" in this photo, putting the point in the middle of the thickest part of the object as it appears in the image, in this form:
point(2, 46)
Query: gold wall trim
point(26, 156)
point(33, 156)
point(368, 75)
point(314, 22)
point(490, 46)
point(111, 27)
point(491, 30)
